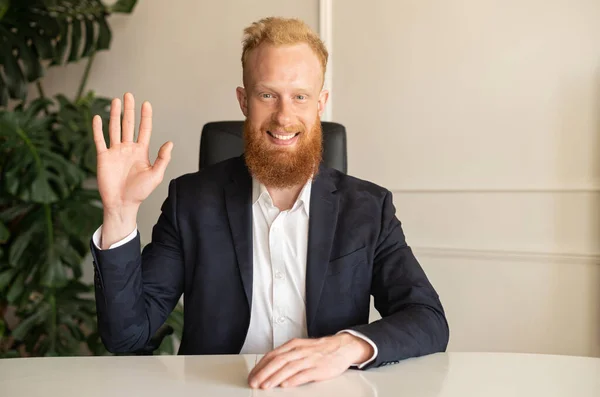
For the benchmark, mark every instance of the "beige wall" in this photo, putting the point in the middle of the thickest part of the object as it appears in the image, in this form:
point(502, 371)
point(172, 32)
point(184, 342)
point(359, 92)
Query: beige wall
point(183, 57)
point(483, 118)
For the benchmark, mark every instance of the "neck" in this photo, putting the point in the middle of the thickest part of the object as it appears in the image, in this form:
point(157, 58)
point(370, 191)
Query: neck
point(284, 198)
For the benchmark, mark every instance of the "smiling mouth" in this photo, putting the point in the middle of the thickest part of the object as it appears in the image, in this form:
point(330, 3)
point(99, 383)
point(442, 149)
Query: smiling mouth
point(283, 137)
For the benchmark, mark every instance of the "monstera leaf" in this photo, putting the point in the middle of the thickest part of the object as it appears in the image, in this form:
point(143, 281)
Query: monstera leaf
point(51, 241)
point(48, 216)
point(33, 167)
point(74, 127)
point(57, 324)
point(57, 31)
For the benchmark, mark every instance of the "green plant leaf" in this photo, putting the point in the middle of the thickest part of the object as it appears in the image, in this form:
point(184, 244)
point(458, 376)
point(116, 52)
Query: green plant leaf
point(76, 34)
point(15, 80)
point(80, 214)
point(31, 65)
point(90, 40)
point(34, 172)
point(32, 339)
point(167, 346)
point(39, 316)
point(30, 240)
point(35, 107)
point(5, 276)
point(4, 4)
point(36, 30)
point(123, 6)
point(14, 210)
point(61, 42)
point(74, 128)
point(16, 289)
point(175, 320)
point(47, 29)
point(55, 274)
point(4, 233)
point(68, 343)
point(3, 92)
point(104, 35)
point(10, 354)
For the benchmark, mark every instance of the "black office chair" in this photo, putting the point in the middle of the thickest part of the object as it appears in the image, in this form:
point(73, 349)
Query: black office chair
point(222, 140)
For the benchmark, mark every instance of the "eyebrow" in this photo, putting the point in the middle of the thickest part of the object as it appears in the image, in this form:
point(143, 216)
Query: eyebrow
point(269, 87)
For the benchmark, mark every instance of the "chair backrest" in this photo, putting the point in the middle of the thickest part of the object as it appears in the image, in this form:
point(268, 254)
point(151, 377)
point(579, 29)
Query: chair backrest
point(222, 140)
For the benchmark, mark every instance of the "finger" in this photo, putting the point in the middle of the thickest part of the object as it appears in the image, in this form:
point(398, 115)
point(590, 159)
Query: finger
point(161, 162)
point(293, 344)
point(286, 347)
point(287, 371)
point(311, 374)
point(114, 125)
point(145, 124)
point(264, 371)
point(128, 117)
point(98, 134)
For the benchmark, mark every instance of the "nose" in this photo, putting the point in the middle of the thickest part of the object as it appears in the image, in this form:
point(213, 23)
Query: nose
point(284, 114)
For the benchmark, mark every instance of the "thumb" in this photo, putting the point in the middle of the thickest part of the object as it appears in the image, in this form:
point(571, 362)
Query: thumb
point(163, 159)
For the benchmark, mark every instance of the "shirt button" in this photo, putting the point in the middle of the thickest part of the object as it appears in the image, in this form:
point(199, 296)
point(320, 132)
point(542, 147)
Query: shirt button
point(279, 275)
point(280, 320)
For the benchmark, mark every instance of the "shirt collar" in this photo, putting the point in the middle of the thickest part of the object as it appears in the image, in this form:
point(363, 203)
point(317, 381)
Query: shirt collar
point(259, 191)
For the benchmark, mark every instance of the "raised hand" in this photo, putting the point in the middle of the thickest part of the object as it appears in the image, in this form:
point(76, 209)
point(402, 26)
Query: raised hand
point(125, 175)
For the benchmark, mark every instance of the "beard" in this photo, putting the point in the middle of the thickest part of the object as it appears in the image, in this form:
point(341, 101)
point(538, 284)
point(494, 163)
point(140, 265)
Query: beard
point(283, 167)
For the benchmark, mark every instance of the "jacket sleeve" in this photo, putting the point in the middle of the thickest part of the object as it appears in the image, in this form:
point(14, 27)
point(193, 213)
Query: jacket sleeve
point(413, 322)
point(136, 291)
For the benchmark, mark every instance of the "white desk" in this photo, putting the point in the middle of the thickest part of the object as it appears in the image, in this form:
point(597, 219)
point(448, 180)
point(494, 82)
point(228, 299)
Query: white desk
point(453, 374)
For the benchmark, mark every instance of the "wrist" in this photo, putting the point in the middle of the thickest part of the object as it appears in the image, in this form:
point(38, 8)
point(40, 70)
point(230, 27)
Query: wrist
point(358, 350)
point(121, 215)
point(117, 224)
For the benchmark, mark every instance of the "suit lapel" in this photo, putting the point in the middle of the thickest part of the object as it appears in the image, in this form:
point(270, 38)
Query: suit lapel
point(322, 224)
point(238, 197)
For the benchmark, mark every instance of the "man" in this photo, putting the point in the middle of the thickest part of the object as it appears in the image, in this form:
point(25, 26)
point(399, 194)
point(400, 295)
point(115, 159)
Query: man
point(273, 252)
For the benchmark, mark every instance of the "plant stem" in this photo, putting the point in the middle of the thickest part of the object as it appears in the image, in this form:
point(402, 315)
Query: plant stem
point(38, 161)
point(38, 84)
point(51, 291)
point(49, 225)
point(40, 89)
point(86, 74)
point(53, 326)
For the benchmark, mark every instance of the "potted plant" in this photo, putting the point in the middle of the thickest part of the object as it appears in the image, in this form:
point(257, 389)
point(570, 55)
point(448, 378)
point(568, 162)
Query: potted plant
point(49, 204)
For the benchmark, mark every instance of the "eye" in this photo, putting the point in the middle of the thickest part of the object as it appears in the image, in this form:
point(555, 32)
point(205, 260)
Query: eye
point(266, 96)
point(300, 97)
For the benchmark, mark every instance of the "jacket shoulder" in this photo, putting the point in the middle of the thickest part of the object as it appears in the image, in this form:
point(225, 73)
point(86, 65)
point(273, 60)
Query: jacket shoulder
point(214, 175)
point(350, 185)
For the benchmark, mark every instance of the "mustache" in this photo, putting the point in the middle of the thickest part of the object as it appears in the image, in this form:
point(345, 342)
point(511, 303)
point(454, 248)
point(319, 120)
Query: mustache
point(277, 127)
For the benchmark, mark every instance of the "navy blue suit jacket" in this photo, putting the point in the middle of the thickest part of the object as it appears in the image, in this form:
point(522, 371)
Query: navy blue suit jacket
point(202, 247)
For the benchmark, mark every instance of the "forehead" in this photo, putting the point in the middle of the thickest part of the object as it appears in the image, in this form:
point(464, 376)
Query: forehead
point(289, 65)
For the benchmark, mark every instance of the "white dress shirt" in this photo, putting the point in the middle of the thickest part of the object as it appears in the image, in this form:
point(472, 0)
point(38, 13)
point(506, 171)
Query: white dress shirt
point(280, 243)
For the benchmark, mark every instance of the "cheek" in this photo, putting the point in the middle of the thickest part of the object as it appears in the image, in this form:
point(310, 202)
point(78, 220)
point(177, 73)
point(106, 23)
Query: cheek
point(308, 113)
point(258, 114)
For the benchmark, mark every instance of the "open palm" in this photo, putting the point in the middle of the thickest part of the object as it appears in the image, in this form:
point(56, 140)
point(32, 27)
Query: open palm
point(125, 175)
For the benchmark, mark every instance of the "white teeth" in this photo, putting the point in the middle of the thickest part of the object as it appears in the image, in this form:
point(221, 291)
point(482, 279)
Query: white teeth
point(284, 137)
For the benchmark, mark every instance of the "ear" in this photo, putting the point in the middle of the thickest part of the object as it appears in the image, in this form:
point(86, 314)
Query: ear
point(323, 97)
point(242, 99)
